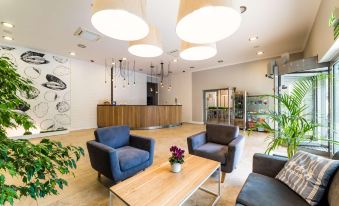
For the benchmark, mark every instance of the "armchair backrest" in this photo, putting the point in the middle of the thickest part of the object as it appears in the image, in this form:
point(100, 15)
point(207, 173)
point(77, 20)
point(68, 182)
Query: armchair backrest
point(221, 134)
point(115, 137)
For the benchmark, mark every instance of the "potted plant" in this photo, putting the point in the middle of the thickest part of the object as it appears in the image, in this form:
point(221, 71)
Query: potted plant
point(177, 158)
point(38, 167)
point(294, 124)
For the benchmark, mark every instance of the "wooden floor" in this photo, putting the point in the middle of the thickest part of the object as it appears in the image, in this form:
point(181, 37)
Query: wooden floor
point(84, 189)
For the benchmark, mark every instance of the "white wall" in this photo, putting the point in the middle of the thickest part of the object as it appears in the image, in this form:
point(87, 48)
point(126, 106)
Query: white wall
point(188, 87)
point(321, 37)
point(89, 89)
point(182, 90)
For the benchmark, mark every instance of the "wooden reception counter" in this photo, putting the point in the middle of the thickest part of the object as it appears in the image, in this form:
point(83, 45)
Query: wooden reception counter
point(139, 116)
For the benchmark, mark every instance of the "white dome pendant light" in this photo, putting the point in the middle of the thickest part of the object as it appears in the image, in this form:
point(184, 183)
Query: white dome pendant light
point(207, 21)
point(120, 19)
point(194, 52)
point(150, 46)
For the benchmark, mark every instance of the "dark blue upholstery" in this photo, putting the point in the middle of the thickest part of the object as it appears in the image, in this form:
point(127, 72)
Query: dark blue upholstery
point(117, 155)
point(221, 143)
point(130, 157)
point(115, 137)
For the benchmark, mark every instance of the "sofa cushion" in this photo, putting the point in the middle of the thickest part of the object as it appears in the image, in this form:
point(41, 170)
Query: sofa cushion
point(212, 151)
point(115, 137)
point(221, 134)
point(260, 190)
point(130, 157)
point(308, 175)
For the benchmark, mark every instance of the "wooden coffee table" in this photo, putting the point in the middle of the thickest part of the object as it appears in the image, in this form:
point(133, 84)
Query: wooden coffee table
point(159, 186)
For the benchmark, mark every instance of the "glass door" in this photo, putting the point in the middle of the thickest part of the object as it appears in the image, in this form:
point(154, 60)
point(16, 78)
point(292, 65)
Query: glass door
point(336, 105)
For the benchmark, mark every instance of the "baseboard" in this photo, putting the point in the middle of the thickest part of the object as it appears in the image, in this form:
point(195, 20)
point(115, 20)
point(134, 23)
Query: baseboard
point(47, 134)
point(195, 122)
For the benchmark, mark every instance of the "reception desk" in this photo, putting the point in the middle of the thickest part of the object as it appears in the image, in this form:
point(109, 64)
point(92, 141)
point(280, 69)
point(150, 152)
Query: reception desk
point(139, 116)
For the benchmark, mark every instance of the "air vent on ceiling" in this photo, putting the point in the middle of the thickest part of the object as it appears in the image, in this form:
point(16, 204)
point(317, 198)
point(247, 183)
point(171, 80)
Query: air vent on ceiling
point(86, 35)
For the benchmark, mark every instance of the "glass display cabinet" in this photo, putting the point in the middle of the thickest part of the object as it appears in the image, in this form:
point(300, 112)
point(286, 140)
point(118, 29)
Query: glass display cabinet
point(258, 106)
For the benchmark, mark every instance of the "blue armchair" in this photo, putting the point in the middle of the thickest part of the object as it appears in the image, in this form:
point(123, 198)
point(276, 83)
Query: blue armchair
point(221, 143)
point(117, 154)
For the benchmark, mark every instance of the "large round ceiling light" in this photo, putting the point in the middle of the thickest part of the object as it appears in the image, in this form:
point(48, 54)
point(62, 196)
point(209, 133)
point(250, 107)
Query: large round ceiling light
point(150, 46)
point(208, 21)
point(120, 19)
point(195, 52)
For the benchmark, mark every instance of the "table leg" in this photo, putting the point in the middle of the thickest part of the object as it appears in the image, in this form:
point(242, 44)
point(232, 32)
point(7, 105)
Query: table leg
point(110, 199)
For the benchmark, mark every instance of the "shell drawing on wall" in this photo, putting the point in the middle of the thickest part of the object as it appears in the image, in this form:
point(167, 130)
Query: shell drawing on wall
point(41, 109)
point(51, 96)
point(47, 125)
point(31, 95)
point(60, 60)
point(49, 101)
point(32, 57)
point(61, 71)
point(62, 119)
point(54, 83)
point(32, 72)
point(63, 106)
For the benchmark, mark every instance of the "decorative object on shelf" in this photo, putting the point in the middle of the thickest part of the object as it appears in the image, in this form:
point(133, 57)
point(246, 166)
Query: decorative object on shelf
point(37, 168)
point(150, 46)
point(177, 158)
point(120, 19)
point(194, 52)
point(203, 22)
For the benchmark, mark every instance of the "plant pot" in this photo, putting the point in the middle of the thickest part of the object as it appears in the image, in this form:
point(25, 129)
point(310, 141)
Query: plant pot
point(176, 167)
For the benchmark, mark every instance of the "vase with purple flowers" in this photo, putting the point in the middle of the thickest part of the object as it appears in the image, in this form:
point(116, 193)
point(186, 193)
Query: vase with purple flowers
point(177, 158)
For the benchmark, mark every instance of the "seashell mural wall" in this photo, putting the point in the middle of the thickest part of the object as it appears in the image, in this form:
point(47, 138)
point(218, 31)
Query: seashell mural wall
point(50, 101)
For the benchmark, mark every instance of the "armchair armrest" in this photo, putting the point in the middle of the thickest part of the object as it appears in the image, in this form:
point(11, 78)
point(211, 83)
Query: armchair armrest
point(104, 159)
point(196, 141)
point(235, 148)
point(144, 143)
point(268, 165)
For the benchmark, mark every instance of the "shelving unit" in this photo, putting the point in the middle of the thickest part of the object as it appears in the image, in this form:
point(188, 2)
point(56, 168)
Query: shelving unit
point(240, 109)
point(258, 106)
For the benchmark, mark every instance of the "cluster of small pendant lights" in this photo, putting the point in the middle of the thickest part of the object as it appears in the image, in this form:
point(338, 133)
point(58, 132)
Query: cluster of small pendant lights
point(200, 24)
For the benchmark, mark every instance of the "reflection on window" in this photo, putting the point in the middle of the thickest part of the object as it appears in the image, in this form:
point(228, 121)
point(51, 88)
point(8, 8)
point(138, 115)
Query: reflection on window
point(336, 105)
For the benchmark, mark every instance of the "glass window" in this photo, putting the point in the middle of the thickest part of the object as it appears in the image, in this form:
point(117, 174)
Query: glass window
point(336, 105)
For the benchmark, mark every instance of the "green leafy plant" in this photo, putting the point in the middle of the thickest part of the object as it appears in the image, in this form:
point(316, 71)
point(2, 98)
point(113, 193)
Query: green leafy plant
point(28, 169)
point(333, 22)
point(294, 123)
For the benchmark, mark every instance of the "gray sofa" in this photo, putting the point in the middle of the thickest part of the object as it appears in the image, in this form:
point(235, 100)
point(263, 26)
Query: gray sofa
point(117, 154)
point(261, 188)
point(221, 143)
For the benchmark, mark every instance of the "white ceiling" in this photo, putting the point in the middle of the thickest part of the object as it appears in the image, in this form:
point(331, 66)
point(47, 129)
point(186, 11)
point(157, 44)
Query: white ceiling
point(282, 26)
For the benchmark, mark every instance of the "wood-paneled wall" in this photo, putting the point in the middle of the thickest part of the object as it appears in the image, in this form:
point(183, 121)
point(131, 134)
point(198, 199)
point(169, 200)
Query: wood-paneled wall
point(139, 116)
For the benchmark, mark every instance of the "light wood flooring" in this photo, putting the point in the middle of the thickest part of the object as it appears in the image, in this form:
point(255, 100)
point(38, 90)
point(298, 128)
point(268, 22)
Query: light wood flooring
point(85, 190)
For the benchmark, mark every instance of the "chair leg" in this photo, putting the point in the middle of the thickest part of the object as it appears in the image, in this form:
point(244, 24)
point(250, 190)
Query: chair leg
point(223, 175)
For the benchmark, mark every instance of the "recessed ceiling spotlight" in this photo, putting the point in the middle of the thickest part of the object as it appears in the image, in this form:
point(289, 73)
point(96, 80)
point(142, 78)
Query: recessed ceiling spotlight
point(183, 71)
point(6, 24)
point(260, 53)
point(253, 38)
point(72, 53)
point(243, 9)
point(92, 61)
point(8, 38)
point(82, 46)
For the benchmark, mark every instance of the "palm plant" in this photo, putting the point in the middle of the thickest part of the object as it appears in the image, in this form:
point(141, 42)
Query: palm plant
point(27, 169)
point(294, 123)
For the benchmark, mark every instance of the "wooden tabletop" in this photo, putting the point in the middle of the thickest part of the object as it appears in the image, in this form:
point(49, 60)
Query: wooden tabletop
point(159, 186)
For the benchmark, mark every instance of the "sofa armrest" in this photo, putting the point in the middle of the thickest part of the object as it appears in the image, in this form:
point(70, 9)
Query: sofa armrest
point(103, 159)
point(144, 143)
point(268, 165)
point(235, 148)
point(196, 141)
